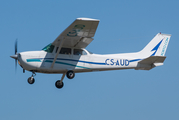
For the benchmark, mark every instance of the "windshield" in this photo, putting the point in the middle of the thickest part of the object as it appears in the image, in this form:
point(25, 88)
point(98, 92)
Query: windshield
point(90, 52)
point(49, 48)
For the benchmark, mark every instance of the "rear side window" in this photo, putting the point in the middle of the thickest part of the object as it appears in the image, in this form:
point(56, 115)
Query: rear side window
point(66, 51)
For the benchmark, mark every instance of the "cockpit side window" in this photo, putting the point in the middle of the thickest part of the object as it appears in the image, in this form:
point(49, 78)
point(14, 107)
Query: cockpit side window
point(49, 48)
point(79, 52)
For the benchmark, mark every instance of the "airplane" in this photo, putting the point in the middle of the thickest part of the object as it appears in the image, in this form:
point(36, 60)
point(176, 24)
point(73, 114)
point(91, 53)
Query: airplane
point(67, 55)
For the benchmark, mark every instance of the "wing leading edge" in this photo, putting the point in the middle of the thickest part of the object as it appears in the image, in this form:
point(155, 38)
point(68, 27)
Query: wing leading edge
point(79, 34)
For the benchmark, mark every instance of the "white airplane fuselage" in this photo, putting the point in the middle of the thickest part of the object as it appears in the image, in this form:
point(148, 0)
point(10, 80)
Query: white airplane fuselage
point(68, 61)
point(41, 61)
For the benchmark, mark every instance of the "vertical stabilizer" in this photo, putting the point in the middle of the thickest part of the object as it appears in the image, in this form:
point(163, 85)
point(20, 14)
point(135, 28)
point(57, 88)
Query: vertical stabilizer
point(157, 46)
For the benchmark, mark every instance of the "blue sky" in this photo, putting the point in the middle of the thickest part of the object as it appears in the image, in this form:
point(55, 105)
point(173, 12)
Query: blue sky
point(125, 26)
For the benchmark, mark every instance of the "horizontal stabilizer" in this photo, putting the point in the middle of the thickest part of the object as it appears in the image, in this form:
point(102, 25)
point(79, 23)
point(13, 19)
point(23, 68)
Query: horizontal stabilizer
point(153, 59)
point(150, 62)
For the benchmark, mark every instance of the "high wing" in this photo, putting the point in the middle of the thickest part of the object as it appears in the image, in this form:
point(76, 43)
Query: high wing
point(79, 34)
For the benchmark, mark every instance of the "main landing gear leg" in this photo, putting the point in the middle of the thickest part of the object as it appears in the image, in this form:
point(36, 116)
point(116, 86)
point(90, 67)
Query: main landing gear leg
point(31, 79)
point(59, 83)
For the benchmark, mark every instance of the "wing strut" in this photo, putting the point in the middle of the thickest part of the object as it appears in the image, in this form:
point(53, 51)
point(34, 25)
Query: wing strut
point(59, 48)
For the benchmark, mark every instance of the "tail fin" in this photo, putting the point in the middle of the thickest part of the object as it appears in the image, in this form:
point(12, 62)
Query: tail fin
point(154, 52)
point(157, 46)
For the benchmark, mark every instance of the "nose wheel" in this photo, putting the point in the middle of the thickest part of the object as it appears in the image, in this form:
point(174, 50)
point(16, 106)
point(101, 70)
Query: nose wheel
point(31, 79)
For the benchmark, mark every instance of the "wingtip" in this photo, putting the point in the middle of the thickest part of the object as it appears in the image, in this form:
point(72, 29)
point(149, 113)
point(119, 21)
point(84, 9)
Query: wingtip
point(87, 19)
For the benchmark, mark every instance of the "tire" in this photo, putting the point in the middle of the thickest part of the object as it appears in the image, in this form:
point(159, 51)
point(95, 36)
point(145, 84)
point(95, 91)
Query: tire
point(70, 74)
point(31, 81)
point(58, 84)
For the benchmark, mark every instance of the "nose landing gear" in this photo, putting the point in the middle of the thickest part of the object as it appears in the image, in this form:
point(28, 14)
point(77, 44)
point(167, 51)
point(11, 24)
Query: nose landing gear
point(31, 79)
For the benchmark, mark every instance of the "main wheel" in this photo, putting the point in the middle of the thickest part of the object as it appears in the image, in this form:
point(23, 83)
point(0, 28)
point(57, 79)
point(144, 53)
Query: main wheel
point(31, 80)
point(58, 84)
point(70, 74)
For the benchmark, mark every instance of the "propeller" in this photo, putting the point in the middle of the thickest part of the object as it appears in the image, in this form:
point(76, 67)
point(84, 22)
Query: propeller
point(16, 55)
